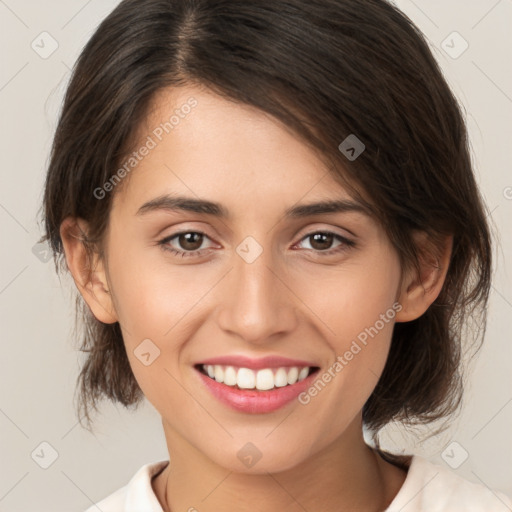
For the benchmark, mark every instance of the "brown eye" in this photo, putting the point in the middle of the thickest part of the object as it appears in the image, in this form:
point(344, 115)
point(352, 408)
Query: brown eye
point(191, 241)
point(186, 243)
point(322, 242)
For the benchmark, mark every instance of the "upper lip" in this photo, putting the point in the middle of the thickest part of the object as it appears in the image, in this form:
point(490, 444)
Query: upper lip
point(256, 364)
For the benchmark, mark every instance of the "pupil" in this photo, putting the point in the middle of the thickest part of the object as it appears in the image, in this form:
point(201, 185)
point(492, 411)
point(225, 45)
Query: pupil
point(317, 237)
point(187, 241)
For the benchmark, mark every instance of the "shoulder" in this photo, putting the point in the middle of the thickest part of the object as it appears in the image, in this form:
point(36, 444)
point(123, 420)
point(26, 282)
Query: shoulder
point(114, 501)
point(431, 487)
point(136, 495)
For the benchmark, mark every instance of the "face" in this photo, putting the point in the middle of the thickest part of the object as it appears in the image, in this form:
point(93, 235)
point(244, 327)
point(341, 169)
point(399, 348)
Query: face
point(191, 287)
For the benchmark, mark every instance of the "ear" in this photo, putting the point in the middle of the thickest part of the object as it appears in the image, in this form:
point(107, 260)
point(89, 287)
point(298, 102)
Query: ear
point(419, 291)
point(89, 276)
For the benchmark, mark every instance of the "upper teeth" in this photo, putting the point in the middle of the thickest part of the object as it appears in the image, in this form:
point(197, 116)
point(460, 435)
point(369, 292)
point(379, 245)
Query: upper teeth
point(263, 379)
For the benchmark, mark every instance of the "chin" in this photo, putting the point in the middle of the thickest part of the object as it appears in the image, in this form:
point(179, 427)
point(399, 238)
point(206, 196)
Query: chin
point(255, 458)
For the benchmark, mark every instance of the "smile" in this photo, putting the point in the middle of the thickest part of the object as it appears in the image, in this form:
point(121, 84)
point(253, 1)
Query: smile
point(262, 380)
point(255, 391)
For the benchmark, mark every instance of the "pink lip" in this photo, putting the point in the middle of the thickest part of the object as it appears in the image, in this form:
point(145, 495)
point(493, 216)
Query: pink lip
point(253, 401)
point(256, 364)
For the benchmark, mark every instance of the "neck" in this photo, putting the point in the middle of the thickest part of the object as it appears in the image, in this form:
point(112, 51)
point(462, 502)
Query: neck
point(345, 475)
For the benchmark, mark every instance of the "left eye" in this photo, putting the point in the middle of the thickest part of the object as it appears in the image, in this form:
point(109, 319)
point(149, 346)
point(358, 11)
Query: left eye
point(188, 240)
point(191, 241)
point(324, 238)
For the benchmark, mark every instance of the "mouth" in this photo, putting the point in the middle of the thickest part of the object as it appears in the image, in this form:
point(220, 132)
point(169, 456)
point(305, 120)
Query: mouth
point(263, 379)
point(255, 385)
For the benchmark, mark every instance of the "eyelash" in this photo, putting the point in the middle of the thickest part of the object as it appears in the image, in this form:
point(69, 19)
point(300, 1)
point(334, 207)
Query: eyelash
point(345, 244)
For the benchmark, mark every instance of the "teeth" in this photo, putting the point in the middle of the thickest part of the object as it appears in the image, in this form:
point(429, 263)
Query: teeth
point(293, 375)
point(262, 380)
point(219, 373)
point(245, 378)
point(303, 373)
point(281, 378)
point(230, 376)
point(265, 379)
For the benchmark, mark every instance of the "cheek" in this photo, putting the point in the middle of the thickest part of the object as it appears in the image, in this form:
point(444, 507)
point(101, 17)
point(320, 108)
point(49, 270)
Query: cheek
point(154, 297)
point(356, 308)
point(350, 297)
point(152, 307)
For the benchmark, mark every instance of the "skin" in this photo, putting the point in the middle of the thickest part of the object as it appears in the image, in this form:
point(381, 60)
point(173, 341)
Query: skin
point(293, 300)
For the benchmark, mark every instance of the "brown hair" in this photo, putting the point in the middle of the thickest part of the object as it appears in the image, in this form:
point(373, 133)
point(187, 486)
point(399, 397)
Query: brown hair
point(326, 69)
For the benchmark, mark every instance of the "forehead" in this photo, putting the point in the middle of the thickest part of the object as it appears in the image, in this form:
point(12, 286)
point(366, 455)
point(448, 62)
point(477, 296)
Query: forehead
point(203, 145)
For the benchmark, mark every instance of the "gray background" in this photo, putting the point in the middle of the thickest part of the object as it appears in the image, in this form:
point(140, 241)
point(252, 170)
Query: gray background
point(39, 361)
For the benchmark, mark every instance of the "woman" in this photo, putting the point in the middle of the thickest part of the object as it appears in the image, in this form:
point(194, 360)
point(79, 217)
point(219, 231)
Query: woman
point(270, 213)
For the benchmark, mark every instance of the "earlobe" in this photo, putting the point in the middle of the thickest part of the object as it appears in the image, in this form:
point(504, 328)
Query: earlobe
point(419, 291)
point(88, 271)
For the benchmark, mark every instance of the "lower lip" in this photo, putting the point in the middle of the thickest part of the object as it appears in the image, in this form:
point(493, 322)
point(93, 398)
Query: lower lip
point(253, 401)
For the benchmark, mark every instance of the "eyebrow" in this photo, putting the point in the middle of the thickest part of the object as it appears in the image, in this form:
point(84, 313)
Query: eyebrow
point(203, 206)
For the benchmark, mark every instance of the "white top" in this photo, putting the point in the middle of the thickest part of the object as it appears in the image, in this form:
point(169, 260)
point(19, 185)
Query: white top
point(428, 487)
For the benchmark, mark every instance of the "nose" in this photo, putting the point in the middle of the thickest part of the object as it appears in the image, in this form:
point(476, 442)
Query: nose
point(256, 301)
